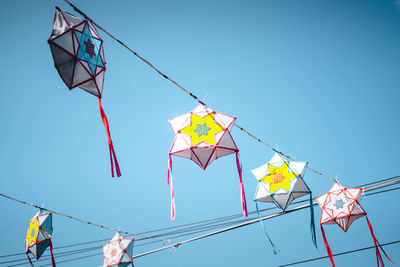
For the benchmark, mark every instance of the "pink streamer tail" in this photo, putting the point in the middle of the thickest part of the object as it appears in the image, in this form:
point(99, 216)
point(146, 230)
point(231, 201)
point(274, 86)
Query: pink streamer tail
point(242, 194)
point(171, 186)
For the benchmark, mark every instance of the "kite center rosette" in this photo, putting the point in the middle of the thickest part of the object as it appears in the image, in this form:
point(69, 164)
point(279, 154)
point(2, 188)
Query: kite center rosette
point(342, 206)
point(280, 182)
point(78, 55)
point(203, 135)
point(38, 236)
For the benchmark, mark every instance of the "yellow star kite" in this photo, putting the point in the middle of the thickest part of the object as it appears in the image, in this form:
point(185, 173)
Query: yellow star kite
point(279, 177)
point(32, 234)
point(202, 129)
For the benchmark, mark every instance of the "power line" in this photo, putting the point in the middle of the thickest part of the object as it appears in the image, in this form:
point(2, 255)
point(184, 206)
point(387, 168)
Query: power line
point(338, 254)
point(76, 219)
point(188, 92)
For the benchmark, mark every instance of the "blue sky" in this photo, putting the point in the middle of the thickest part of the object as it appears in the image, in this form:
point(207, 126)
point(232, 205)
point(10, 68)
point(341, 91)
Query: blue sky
point(317, 79)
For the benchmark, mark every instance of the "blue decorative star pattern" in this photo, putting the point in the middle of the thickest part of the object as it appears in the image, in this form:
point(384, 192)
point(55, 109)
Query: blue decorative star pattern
point(89, 49)
point(202, 129)
point(339, 204)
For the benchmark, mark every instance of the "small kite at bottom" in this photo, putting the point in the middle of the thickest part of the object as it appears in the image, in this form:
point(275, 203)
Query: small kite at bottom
point(342, 206)
point(118, 252)
point(38, 237)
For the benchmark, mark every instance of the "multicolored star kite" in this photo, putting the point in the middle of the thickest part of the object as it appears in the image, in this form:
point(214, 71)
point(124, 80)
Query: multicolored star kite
point(281, 182)
point(38, 236)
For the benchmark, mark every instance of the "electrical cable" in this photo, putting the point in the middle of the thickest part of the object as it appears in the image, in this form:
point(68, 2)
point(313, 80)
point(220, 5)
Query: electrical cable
point(339, 254)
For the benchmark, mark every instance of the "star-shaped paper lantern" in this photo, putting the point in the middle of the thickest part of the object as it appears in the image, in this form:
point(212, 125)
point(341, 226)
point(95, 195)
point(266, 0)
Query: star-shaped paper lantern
point(78, 55)
point(38, 236)
point(203, 135)
point(118, 252)
point(342, 206)
point(280, 182)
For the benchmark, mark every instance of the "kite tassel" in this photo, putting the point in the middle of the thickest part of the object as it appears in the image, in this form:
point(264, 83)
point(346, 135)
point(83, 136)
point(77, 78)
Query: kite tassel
point(113, 157)
point(377, 246)
point(328, 249)
point(171, 186)
point(51, 252)
point(274, 249)
point(312, 223)
point(242, 194)
point(30, 261)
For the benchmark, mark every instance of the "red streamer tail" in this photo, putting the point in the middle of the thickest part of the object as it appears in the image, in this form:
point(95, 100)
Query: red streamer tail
point(328, 249)
point(242, 194)
point(171, 186)
point(30, 261)
point(377, 246)
point(52, 256)
point(113, 157)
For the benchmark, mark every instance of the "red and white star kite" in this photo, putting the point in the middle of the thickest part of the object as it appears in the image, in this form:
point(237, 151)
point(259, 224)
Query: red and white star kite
point(118, 252)
point(342, 206)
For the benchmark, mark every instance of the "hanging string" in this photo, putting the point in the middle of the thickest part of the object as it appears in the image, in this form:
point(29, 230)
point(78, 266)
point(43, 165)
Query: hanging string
point(188, 92)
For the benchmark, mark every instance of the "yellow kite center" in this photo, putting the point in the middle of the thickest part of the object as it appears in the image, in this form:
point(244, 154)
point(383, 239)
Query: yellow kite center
point(279, 177)
point(202, 129)
point(32, 234)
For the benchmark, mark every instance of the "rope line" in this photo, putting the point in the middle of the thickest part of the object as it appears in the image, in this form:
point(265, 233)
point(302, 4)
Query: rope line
point(77, 219)
point(338, 254)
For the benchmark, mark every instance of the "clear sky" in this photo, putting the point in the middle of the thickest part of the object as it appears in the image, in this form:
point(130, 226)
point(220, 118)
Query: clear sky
point(317, 79)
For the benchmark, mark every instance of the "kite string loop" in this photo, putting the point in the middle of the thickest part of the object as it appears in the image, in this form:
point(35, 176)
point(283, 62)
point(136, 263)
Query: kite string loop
point(113, 157)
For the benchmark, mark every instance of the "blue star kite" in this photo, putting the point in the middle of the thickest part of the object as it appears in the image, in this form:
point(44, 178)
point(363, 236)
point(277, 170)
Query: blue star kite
point(339, 204)
point(89, 47)
point(202, 129)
